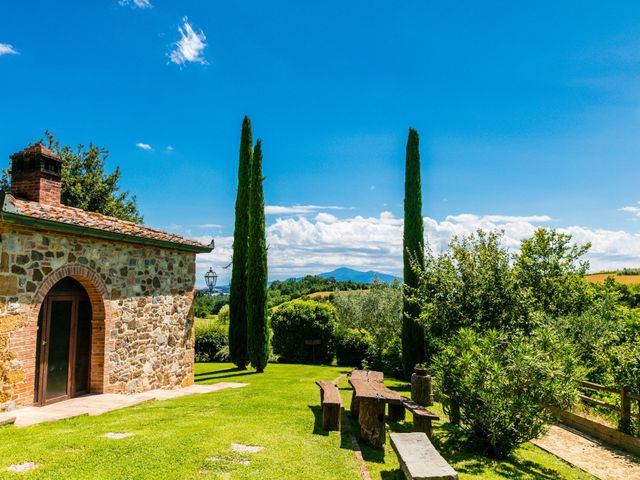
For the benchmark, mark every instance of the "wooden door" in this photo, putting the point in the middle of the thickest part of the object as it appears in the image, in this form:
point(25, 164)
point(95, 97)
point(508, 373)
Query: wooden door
point(64, 353)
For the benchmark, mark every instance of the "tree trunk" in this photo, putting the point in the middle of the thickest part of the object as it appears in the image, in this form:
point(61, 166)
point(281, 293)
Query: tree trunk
point(422, 389)
point(371, 420)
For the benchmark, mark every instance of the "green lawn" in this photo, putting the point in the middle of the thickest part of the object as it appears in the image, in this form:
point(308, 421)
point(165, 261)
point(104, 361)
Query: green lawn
point(278, 410)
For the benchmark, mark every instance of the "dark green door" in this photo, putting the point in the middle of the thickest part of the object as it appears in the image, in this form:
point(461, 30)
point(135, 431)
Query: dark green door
point(58, 349)
point(64, 335)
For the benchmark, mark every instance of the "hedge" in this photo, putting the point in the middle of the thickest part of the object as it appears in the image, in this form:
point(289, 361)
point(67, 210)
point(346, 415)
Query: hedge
point(298, 324)
point(212, 341)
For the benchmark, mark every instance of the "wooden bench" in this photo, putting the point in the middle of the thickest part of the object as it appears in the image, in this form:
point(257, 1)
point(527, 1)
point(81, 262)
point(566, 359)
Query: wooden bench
point(422, 417)
point(368, 405)
point(331, 401)
point(419, 460)
point(375, 380)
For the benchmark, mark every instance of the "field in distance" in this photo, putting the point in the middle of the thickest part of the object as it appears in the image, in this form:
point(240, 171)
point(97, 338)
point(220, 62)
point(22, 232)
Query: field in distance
point(625, 279)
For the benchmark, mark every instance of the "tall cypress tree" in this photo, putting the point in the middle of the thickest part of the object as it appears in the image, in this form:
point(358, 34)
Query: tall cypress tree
point(238, 293)
point(413, 348)
point(258, 332)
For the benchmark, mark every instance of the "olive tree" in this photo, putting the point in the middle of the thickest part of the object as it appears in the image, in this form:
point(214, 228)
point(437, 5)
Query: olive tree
point(377, 311)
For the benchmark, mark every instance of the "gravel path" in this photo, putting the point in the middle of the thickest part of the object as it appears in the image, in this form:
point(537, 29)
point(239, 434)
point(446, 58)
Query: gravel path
point(589, 455)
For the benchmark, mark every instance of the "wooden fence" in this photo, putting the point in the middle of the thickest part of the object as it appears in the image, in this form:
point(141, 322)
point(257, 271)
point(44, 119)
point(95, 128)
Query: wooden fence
point(620, 436)
point(623, 408)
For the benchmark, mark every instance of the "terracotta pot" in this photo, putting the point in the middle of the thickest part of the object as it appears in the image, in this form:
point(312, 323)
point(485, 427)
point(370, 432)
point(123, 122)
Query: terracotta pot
point(420, 371)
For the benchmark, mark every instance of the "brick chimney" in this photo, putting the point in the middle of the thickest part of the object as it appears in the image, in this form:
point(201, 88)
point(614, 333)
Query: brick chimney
point(35, 175)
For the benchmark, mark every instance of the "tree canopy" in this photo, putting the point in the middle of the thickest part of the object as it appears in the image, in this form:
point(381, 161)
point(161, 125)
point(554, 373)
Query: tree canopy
point(413, 346)
point(257, 325)
point(238, 293)
point(86, 184)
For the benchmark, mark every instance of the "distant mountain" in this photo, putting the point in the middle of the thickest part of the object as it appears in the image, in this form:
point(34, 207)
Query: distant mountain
point(342, 274)
point(345, 274)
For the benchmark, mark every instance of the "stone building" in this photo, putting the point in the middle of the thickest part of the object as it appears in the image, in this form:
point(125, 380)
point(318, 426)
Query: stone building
point(88, 303)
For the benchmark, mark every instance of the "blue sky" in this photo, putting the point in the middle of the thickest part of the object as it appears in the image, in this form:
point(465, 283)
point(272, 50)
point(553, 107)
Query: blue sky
point(528, 115)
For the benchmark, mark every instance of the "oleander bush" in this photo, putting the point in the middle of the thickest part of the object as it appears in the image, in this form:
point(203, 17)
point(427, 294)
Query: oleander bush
point(502, 383)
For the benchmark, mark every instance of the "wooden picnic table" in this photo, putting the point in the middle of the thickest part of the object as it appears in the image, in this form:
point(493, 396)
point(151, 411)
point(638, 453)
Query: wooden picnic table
point(368, 401)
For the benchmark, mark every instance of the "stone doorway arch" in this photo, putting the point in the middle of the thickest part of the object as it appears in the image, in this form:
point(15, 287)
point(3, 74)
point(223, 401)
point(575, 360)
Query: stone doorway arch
point(101, 317)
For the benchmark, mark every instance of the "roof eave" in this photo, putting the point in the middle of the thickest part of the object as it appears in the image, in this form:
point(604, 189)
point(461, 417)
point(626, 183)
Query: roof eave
point(15, 218)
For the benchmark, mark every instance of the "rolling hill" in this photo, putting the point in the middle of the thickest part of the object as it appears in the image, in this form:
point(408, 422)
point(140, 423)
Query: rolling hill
point(345, 274)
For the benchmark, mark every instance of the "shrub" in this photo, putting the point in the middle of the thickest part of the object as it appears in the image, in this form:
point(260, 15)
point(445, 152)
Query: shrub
point(212, 341)
point(353, 346)
point(391, 358)
point(501, 383)
point(296, 322)
point(223, 315)
point(206, 306)
point(602, 336)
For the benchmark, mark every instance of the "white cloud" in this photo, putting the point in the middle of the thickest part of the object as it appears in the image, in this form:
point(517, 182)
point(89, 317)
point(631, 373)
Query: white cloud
point(190, 47)
point(301, 245)
point(468, 217)
point(136, 3)
point(299, 209)
point(326, 218)
point(635, 209)
point(144, 146)
point(210, 225)
point(169, 148)
point(6, 49)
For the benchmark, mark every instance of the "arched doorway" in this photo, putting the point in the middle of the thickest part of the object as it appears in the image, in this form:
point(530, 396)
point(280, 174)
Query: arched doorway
point(63, 348)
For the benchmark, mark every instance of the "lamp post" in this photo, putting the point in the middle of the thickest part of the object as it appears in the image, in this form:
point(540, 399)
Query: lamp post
point(211, 278)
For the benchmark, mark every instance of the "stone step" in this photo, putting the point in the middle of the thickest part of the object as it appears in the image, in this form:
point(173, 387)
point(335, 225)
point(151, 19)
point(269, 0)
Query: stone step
point(7, 420)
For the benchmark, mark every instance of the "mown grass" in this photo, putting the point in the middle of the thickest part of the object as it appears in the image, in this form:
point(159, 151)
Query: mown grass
point(279, 410)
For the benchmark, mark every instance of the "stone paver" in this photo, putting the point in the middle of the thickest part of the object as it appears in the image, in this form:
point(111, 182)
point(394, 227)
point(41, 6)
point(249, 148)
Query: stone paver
point(240, 448)
point(21, 467)
point(419, 459)
point(230, 460)
point(98, 404)
point(588, 454)
point(117, 436)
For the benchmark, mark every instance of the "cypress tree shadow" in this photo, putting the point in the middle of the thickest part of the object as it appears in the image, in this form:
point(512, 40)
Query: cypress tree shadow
point(214, 376)
point(225, 370)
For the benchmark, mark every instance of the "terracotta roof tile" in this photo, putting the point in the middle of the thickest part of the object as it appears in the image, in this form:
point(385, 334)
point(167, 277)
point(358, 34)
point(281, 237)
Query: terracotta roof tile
point(81, 218)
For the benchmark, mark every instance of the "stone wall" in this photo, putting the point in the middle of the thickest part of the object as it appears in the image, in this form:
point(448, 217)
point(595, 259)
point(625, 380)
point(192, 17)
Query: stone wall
point(142, 328)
